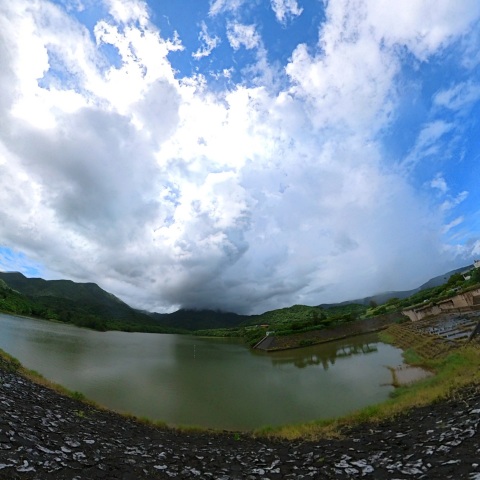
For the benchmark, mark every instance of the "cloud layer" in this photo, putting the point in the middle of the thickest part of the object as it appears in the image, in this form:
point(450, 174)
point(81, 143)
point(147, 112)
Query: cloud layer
point(117, 169)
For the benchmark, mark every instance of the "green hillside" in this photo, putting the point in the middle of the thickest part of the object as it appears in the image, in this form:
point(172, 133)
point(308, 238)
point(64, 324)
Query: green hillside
point(189, 319)
point(81, 304)
point(87, 305)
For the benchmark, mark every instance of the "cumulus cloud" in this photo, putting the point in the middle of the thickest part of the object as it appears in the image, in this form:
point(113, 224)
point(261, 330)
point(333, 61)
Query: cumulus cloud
point(286, 9)
point(170, 194)
point(421, 27)
point(128, 12)
point(221, 6)
point(76, 5)
point(240, 35)
point(439, 183)
point(209, 43)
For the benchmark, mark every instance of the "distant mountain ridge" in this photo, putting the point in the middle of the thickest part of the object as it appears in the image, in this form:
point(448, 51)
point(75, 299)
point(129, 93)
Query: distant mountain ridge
point(67, 300)
point(83, 304)
point(200, 319)
point(38, 287)
point(383, 297)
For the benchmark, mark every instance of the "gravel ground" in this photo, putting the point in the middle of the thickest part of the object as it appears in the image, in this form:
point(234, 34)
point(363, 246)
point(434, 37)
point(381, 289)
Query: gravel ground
point(44, 435)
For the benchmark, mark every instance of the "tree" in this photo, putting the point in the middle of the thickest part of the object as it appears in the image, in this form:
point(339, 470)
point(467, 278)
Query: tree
point(454, 279)
point(393, 301)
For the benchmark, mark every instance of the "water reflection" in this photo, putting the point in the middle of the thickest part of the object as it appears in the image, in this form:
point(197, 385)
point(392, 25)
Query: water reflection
point(326, 354)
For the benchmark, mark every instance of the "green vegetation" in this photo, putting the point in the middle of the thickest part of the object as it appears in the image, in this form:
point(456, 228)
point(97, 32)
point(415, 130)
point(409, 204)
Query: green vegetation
point(194, 320)
point(303, 317)
point(87, 305)
point(220, 332)
point(299, 319)
point(78, 396)
point(83, 305)
point(9, 363)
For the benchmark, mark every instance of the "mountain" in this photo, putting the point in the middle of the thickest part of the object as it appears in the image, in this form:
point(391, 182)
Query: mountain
point(88, 305)
point(190, 319)
point(78, 292)
point(83, 304)
point(383, 297)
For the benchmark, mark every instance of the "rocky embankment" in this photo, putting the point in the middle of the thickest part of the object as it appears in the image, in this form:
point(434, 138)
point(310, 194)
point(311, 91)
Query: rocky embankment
point(273, 342)
point(44, 435)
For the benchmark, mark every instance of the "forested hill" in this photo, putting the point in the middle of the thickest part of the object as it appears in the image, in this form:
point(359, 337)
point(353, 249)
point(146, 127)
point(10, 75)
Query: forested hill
point(82, 304)
point(79, 292)
point(88, 305)
point(383, 297)
point(200, 319)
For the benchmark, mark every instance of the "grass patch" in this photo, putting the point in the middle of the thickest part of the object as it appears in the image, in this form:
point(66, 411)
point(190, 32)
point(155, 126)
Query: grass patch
point(145, 420)
point(328, 429)
point(78, 396)
point(412, 357)
point(190, 429)
point(150, 422)
point(385, 337)
point(35, 374)
point(9, 363)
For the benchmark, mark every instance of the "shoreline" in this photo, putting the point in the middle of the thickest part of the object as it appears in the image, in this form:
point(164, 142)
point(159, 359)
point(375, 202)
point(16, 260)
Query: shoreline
point(275, 343)
point(47, 435)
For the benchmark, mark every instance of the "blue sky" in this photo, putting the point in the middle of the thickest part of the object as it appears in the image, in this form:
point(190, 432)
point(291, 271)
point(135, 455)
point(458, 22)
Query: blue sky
point(240, 155)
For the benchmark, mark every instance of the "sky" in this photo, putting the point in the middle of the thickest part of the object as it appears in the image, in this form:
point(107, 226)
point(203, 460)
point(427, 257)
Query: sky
point(239, 155)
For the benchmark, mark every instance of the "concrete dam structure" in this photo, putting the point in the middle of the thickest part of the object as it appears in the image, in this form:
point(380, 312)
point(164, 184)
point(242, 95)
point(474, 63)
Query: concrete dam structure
point(463, 302)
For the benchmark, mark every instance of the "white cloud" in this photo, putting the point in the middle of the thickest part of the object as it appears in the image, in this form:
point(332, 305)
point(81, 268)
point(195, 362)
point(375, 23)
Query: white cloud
point(128, 12)
point(209, 43)
point(476, 248)
point(350, 88)
point(169, 194)
point(77, 5)
point(427, 143)
point(453, 202)
point(222, 6)
point(242, 35)
point(138, 49)
point(423, 27)
point(454, 223)
point(286, 9)
point(439, 183)
point(459, 97)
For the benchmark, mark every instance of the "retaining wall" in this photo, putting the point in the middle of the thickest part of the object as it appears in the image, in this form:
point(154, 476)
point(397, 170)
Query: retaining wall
point(459, 303)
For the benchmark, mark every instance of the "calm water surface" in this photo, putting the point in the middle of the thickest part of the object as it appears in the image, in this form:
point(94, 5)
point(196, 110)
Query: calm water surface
point(186, 380)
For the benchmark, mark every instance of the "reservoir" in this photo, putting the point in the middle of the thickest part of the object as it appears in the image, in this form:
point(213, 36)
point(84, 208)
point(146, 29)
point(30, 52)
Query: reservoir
point(208, 382)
